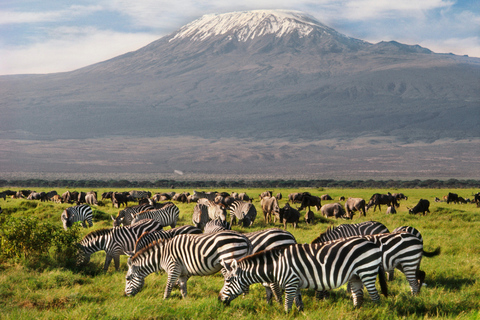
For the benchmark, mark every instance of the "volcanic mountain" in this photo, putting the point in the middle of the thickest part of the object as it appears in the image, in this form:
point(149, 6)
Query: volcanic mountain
point(251, 92)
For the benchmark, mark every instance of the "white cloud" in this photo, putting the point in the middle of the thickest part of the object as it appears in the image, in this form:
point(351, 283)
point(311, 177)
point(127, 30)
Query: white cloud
point(66, 53)
point(18, 17)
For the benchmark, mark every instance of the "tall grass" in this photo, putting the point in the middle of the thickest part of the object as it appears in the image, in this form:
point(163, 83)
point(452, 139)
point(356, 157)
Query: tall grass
point(452, 288)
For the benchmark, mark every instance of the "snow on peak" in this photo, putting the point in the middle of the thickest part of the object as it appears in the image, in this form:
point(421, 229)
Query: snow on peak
point(247, 25)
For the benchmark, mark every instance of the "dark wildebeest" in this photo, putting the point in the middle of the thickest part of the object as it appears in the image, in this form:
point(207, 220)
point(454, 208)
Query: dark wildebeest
point(309, 217)
point(91, 198)
point(400, 196)
point(180, 197)
point(161, 197)
point(333, 210)
point(309, 200)
point(391, 210)
point(243, 196)
point(295, 197)
point(422, 206)
point(477, 198)
point(266, 194)
point(355, 204)
point(452, 197)
point(378, 199)
point(288, 214)
point(107, 195)
point(42, 196)
point(325, 197)
point(269, 207)
point(119, 198)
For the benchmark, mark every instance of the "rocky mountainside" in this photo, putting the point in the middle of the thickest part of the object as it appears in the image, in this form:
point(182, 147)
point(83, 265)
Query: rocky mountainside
point(271, 77)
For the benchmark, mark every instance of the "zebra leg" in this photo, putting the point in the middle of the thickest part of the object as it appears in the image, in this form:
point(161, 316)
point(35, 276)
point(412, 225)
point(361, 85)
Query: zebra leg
point(273, 290)
point(173, 274)
point(84, 224)
point(411, 276)
point(291, 290)
point(420, 279)
point(298, 300)
point(108, 259)
point(182, 283)
point(322, 294)
point(390, 275)
point(356, 287)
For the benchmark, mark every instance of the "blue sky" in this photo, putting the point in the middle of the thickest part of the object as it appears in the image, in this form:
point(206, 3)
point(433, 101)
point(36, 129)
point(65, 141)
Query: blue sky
point(54, 36)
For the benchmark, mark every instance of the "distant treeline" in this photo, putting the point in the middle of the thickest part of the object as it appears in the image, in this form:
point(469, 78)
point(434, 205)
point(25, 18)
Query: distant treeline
point(222, 184)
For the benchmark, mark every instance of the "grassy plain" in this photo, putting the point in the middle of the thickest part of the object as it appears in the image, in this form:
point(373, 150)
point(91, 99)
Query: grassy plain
point(452, 288)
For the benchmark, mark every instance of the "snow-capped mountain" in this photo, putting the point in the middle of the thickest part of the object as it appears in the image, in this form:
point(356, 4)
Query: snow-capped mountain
point(254, 77)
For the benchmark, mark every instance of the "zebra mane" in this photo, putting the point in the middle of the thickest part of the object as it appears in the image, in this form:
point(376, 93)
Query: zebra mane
point(142, 235)
point(151, 245)
point(322, 235)
point(274, 251)
point(97, 233)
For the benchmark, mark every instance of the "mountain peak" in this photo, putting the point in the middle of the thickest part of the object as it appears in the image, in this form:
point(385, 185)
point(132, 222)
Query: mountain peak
point(246, 25)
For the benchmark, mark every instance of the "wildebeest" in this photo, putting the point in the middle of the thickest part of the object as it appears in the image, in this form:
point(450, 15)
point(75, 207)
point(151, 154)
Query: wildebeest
point(391, 210)
point(243, 196)
point(477, 198)
point(181, 197)
point(266, 194)
point(42, 196)
point(200, 194)
point(400, 196)
point(309, 217)
point(91, 198)
point(355, 204)
point(378, 199)
point(422, 206)
point(333, 210)
point(140, 194)
point(81, 198)
point(288, 214)
point(295, 197)
point(309, 200)
point(269, 207)
point(452, 197)
point(119, 198)
point(325, 197)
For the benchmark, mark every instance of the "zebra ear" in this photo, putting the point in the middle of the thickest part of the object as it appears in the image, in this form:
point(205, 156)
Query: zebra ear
point(234, 266)
point(130, 254)
point(224, 264)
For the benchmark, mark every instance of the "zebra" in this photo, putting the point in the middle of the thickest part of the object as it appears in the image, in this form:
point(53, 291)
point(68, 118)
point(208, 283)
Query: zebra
point(114, 241)
point(320, 267)
point(149, 236)
point(409, 229)
point(244, 211)
point(216, 226)
point(184, 256)
point(125, 216)
point(200, 215)
point(74, 214)
point(348, 230)
point(167, 216)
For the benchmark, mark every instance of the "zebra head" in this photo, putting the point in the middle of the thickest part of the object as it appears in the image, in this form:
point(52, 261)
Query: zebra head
point(117, 222)
point(232, 286)
point(66, 218)
point(134, 281)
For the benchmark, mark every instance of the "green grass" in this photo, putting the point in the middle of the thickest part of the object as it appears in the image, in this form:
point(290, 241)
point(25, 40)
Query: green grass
point(452, 279)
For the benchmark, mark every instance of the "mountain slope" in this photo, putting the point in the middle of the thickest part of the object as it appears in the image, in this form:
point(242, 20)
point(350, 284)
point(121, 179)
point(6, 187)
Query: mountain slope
point(252, 76)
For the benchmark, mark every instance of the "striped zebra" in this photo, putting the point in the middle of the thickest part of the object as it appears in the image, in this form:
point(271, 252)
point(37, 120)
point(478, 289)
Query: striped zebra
point(244, 211)
point(125, 216)
point(320, 267)
point(348, 230)
point(409, 229)
point(184, 256)
point(74, 214)
point(149, 236)
point(167, 216)
point(114, 241)
point(216, 226)
point(205, 211)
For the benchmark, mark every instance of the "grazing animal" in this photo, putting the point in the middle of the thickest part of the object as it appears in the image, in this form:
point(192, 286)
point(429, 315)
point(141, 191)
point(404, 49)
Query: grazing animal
point(325, 197)
point(126, 215)
point(310, 201)
point(243, 196)
point(309, 217)
point(184, 256)
point(216, 211)
point(400, 196)
point(391, 210)
point(114, 241)
point(119, 199)
point(200, 215)
point(269, 207)
point(295, 267)
point(216, 226)
point(378, 199)
point(244, 211)
point(91, 198)
point(167, 215)
point(288, 214)
point(74, 214)
point(3, 195)
point(266, 194)
point(42, 196)
point(295, 197)
point(333, 210)
point(349, 230)
point(355, 204)
point(422, 206)
point(139, 194)
point(197, 195)
point(452, 197)
point(149, 236)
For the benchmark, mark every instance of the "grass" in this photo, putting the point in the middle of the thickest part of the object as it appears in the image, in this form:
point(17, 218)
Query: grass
point(452, 278)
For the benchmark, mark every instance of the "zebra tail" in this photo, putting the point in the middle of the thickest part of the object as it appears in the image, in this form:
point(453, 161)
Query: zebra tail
point(432, 254)
point(383, 281)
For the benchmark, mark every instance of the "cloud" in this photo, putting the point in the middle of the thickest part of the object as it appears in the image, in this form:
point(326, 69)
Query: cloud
point(19, 17)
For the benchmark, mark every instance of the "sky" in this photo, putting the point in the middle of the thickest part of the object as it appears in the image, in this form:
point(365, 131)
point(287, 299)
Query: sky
point(46, 36)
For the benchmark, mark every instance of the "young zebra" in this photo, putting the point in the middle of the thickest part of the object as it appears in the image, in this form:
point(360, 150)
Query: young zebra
point(125, 216)
point(184, 256)
point(348, 230)
point(149, 236)
point(244, 211)
point(74, 214)
point(320, 267)
point(216, 226)
point(167, 216)
point(115, 242)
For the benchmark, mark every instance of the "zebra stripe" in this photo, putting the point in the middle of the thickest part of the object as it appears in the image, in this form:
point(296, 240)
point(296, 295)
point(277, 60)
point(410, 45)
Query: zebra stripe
point(411, 230)
point(349, 230)
point(74, 214)
point(149, 236)
point(244, 211)
point(114, 241)
point(216, 226)
point(184, 256)
point(320, 267)
point(125, 216)
point(167, 216)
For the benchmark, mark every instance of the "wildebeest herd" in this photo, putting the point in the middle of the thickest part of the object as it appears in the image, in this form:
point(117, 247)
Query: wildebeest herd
point(353, 254)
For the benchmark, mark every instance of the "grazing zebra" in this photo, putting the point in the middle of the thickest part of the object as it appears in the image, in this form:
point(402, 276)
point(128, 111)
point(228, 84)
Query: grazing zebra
point(244, 211)
point(184, 256)
point(200, 215)
point(125, 216)
point(149, 236)
point(216, 226)
point(167, 216)
point(348, 230)
point(114, 241)
point(74, 214)
point(320, 267)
